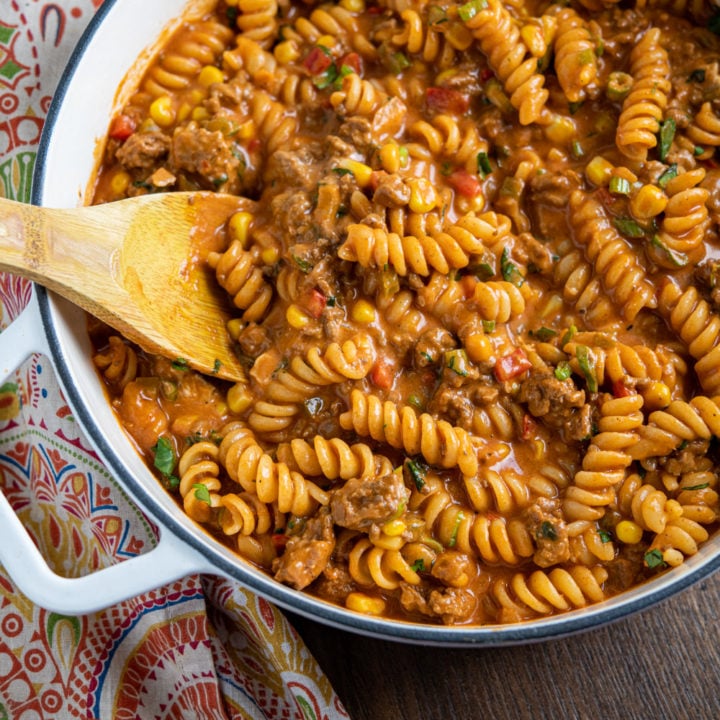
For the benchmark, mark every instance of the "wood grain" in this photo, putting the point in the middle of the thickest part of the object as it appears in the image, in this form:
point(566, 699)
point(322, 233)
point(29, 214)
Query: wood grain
point(661, 663)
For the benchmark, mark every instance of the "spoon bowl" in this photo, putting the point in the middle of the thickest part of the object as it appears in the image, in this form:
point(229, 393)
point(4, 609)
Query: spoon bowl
point(136, 264)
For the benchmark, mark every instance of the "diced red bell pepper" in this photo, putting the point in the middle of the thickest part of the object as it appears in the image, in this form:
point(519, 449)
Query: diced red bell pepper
point(353, 61)
point(382, 374)
point(528, 427)
point(512, 365)
point(619, 389)
point(315, 303)
point(122, 127)
point(317, 61)
point(447, 100)
point(465, 183)
point(279, 541)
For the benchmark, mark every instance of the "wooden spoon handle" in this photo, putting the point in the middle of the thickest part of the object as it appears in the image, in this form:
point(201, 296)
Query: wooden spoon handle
point(60, 249)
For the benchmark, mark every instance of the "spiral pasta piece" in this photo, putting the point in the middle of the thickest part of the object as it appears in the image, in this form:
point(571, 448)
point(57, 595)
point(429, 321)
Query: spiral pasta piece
point(686, 215)
point(118, 363)
point(371, 565)
point(258, 20)
point(332, 458)
point(438, 248)
point(243, 514)
point(678, 540)
point(611, 256)
point(505, 492)
point(681, 421)
point(437, 441)
point(238, 271)
point(277, 125)
point(200, 44)
point(199, 467)
point(352, 360)
point(445, 137)
point(692, 318)
point(357, 96)
point(508, 57)
point(575, 60)
point(643, 108)
point(541, 593)
point(705, 129)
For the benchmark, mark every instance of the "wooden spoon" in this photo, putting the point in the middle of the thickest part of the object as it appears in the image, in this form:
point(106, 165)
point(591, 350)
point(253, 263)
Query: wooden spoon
point(137, 265)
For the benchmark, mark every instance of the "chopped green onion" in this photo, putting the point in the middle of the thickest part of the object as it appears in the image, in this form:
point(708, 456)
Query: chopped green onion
point(483, 164)
point(629, 227)
point(180, 364)
point(619, 85)
point(604, 536)
point(488, 326)
point(418, 471)
point(436, 15)
point(543, 334)
point(509, 270)
point(456, 528)
point(470, 9)
point(568, 336)
point(416, 402)
point(697, 151)
point(587, 365)
point(577, 149)
point(702, 486)
point(563, 371)
point(619, 185)
point(677, 259)
point(304, 265)
point(654, 559)
point(667, 135)
point(457, 361)
point(668, 175)
point(418, 566)
point(547, 530)
point(202, 493)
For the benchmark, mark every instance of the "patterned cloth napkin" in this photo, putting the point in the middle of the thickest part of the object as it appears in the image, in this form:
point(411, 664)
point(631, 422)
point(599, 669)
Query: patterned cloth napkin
point(199, 648)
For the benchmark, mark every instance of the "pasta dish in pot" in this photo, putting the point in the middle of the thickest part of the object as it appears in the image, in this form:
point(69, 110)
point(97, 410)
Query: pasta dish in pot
point(477, 297)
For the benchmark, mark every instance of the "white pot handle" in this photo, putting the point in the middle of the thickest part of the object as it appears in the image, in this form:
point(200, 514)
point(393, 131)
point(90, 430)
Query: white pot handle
point(169, 560)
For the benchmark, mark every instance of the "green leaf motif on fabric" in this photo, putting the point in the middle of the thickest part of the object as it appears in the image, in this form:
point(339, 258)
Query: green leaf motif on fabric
point(54, 619)
point(307, 710)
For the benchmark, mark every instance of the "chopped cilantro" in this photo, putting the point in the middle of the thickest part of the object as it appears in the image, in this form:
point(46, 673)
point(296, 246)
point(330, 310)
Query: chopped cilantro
point(180, 364)
point(667, 135)
point(417, 470)
point(654, 559)
point(202, 493)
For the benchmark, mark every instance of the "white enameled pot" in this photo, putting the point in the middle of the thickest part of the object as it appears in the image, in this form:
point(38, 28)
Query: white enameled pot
point(121, 32)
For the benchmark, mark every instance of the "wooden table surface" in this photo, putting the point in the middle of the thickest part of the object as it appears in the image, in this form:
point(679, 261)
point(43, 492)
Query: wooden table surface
point(662, 663)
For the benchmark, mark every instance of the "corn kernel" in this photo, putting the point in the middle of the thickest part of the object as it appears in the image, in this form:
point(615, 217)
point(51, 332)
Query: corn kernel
point(286, 52)
point(598, 171)
point(390, 157)
point(657, 395)
point(423, 196)
point(361, 172)
point(628, 532)
point(479, 347)
point(184, 111)
point(394, 528)
point(327, 41)
point(239, 397)
point(362, 603)
point(120, 182)
point(210, 75)
point(239, 225)
point(363, 311)
point(247, 130)
point(162, 112)
point(270, 255)
point(561, 130)
point(648, 202)
point(234, 327)
point(297, 317)
point(444, 75)
point(353, 6)
point(199, 114)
